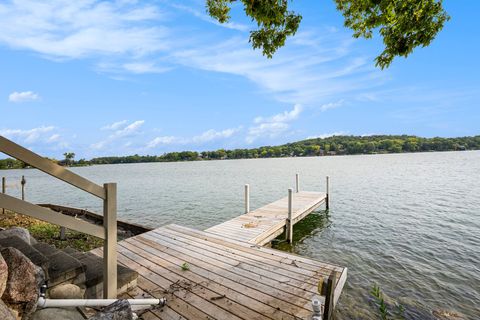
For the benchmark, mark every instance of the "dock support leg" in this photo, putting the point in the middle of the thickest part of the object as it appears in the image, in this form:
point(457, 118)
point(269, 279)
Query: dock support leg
point(110, 244)
point(327, 200)
point(23, 182)
point(289, 225)
point(329, 309)
point(247, 198)
point(4, 186)
point(297, 183)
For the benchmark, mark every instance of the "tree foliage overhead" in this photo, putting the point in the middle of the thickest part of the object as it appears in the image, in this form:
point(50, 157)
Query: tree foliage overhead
point(402, 24)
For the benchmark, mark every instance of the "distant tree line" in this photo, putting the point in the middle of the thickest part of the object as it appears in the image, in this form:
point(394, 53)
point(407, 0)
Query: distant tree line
point(336, 145)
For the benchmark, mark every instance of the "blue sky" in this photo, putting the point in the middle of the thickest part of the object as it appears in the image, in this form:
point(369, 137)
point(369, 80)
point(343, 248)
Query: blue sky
point(123, 77)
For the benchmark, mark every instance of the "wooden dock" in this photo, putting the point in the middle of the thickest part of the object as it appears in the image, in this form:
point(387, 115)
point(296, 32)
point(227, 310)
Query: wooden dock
point(224, 272)
point(266, 223)
point(204, 276)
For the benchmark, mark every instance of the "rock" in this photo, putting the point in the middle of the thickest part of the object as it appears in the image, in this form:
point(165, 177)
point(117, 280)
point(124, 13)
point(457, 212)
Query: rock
point(66, 291)
point(447, 315)
point(3, 275)
point(57, 313)
point(40, 276)
point(119, 310)
point(22, 233)
point(5, 313)
point(33, 241)
point(22, 277)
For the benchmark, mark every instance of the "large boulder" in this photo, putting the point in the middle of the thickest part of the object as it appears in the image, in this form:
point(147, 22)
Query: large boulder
point(22, 278)
point(5, 313)
point(22, 233)
point(119, 310)
point(3, 275)
point(66, 291)
point(57, 313)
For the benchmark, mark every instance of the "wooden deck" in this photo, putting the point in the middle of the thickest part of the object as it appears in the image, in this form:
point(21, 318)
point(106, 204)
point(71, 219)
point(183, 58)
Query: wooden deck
point(266, 223)
point(226, 279)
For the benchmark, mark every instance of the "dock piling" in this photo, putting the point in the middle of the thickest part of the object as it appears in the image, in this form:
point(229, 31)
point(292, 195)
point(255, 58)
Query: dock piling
point(297, 183)
point(329, 297)
point(4, 185)
point(289, 224)
point(247, 198)
point(327, 199)
point(23, 182)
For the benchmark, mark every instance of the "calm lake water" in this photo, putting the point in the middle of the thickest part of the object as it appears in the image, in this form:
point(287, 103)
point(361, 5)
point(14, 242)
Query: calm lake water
point(407, 222)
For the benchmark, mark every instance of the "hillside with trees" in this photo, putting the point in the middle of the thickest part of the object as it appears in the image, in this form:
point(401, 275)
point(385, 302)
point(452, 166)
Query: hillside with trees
point(336, 145)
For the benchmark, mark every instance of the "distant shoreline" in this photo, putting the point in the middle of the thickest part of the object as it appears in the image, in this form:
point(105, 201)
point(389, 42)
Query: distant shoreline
point(331, 146)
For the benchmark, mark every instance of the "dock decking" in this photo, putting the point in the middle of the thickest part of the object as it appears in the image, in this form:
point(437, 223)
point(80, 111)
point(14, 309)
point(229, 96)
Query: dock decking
point(224, 272)
point(262, 225)
point(226, 279)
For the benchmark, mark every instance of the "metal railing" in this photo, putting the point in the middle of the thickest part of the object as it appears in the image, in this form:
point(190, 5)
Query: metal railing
point(108, 193)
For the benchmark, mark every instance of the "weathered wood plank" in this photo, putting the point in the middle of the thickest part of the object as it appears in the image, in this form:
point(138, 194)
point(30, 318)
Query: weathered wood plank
point(214, 288)
point(262, 225)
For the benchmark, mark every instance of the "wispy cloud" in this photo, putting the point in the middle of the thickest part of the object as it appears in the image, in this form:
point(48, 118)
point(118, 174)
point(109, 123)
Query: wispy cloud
point(307, 71)
point(123, 30)
point(328, 135)
point(202, 16)
point(115, 126)
point(23, 96)
point(161, 141)
point(332, 105)
point(212, 134)
point(271, 127)
point(29, 135)
point(207, 136)
point(43, 136)
point(121, 130)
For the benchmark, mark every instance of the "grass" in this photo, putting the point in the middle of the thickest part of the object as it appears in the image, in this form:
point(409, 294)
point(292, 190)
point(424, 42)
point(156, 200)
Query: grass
point(383, 310)
point(50, 233)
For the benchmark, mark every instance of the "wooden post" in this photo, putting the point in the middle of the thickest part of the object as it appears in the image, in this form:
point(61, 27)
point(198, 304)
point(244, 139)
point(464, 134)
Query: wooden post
point(327, 200)
point(63, 232)
point(247, 198)
point(289, 226)
point(23, 182)
point(329, 309)
point(4, 185)
point(297, 183)
point(110, 244)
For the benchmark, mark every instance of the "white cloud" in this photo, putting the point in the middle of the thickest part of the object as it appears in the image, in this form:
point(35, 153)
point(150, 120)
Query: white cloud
point(310, 70)
point(122, 130)
point(204, 17)
point(115, 126)
point(161, 141)
point(40, 137)
point(328, 135)
point(207, 136)
point(23, 96)
point(213, 135)
point(30, 135)
point(124, 30)
point(54, 138)
point(130, 129)
point(332, 105)
point(269, 130)
point(144, 67)
point(271, 127)
point(282, 117)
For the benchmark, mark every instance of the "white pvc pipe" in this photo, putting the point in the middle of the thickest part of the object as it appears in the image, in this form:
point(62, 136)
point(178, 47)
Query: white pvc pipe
point(61, 303)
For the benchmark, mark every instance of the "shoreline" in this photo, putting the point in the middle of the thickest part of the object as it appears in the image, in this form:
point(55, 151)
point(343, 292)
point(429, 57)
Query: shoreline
point(258, 158)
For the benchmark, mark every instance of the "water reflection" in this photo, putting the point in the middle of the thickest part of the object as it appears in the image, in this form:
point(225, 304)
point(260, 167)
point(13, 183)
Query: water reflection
point(306, 228)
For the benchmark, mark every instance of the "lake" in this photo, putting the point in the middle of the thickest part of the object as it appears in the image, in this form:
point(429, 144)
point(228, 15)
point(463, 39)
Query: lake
point(407, 222)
